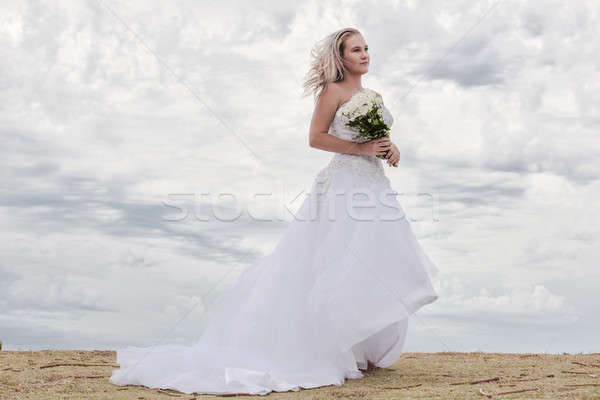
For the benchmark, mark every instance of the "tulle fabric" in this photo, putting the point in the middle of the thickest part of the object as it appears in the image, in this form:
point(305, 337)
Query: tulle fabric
point(336, 292)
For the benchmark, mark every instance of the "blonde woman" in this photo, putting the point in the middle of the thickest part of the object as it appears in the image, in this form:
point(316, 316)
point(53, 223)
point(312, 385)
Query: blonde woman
point(334, 296)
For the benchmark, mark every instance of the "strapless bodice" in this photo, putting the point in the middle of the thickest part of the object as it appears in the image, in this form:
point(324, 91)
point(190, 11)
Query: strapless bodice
point(338, 125)
point(368, 166)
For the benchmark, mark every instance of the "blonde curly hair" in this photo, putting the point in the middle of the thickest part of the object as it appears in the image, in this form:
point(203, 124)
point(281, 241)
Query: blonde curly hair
point(327, 65)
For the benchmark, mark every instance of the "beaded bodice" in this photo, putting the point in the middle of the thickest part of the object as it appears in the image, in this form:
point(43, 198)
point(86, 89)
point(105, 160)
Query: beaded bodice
point(368, 166)
point(338, 124)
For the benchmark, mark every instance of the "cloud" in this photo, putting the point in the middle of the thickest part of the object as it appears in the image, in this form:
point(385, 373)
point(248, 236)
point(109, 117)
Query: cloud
point(533, 304)
point(102, 129)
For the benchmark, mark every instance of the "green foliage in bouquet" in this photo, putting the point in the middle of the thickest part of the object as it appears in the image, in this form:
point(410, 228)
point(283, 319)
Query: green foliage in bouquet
point(370, 124)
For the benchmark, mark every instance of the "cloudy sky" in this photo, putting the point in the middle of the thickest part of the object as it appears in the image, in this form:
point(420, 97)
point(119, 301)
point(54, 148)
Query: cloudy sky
point(115, 116)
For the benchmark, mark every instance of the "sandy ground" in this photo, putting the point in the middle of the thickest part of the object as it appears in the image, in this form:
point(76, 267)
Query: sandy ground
point(75, 374)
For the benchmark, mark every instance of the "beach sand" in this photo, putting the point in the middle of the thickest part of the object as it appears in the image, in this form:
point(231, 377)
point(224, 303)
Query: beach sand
point(446, 375)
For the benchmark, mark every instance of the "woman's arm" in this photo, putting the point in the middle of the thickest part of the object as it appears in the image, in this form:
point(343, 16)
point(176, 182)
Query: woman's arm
point(324, 112)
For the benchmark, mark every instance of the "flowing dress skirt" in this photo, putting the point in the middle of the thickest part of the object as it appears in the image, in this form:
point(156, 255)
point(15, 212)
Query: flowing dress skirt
point(336, 292)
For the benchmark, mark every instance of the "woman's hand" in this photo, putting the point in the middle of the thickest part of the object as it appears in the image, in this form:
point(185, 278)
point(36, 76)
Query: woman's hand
point(393, 156)
point(375, 147)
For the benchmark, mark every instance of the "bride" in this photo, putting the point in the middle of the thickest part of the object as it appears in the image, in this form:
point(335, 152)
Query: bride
point(334, 296)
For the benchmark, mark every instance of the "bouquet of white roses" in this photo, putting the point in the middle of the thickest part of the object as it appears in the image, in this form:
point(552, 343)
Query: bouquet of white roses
point(365, 114)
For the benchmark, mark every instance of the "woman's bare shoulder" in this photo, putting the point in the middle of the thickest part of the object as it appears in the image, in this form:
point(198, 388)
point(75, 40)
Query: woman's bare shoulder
point(333, 90)
point(332, 94)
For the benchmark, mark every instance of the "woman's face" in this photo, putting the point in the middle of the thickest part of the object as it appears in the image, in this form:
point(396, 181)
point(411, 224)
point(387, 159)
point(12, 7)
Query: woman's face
point(356, 54)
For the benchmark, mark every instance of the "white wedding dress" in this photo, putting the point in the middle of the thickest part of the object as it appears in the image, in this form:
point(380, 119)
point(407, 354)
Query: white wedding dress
point(336, 292)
